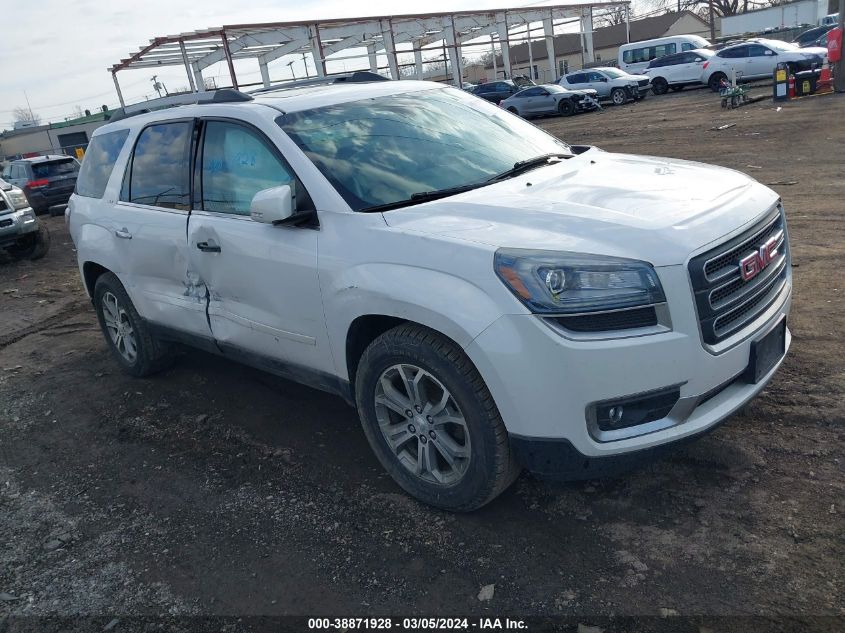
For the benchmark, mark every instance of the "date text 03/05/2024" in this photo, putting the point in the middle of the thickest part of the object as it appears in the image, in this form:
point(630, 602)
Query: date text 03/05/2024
point(413, 624)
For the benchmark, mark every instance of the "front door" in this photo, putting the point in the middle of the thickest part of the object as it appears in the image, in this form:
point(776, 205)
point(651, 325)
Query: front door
point(264, 295)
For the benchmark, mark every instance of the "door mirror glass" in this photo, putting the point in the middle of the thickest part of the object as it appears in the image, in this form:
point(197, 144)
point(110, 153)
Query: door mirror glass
point(272, 205)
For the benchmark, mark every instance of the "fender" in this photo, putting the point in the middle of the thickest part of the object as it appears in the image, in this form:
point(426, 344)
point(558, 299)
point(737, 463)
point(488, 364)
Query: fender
point(422, 295)
point(105, 254)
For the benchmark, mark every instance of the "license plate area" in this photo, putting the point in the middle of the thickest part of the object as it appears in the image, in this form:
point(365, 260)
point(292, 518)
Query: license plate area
point(766, 352)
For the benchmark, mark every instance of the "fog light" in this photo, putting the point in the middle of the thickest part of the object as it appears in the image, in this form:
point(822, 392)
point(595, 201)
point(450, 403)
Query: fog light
point(615, 414)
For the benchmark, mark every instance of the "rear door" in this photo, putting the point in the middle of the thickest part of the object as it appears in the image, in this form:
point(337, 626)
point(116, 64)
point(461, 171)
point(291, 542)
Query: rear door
point(264, 294)
point(149, 225)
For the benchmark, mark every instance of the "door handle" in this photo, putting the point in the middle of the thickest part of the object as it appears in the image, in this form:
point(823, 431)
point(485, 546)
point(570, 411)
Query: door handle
point(205, 247)
point(123, 234)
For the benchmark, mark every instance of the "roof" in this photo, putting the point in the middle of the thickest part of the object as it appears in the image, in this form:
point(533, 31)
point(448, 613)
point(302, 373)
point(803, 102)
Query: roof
point(606, 37)
point(42, 159)
point(281, 100)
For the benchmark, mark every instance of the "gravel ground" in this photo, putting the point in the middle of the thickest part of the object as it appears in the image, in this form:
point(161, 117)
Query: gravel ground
point(216, 490)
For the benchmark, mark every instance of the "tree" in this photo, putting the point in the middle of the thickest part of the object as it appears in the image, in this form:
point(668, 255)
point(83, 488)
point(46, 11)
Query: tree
point(20, 114)
point(720, 7)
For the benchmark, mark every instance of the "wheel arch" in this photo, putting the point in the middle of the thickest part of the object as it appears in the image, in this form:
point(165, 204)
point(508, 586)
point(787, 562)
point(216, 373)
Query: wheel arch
point(91, 271)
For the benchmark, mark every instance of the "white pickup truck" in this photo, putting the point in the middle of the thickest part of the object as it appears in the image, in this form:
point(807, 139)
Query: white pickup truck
point(487, 296)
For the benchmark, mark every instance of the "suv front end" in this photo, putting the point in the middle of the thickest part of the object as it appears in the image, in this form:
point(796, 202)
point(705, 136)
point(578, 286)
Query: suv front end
point(601, 390)
point(17, 219)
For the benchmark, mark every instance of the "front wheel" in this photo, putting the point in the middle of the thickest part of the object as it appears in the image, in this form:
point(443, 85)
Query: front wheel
point(659, 86)
point(32, 246)
point(618, 96)
point(126, 333)
point(566, 107)
point(431, 420)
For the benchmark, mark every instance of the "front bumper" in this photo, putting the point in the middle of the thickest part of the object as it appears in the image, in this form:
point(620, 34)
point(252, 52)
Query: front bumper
point(17, 224)
point(545, 382)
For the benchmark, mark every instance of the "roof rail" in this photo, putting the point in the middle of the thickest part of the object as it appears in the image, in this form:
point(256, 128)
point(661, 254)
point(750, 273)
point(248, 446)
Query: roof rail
point(224, 95)
point(357, 77)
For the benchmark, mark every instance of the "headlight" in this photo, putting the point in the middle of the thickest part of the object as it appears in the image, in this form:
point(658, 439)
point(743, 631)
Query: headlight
point(17, 198)
point(549, 282)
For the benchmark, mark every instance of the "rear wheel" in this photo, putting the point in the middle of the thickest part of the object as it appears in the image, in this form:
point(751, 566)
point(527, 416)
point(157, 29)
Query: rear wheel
point(126, 333)
point(431, 421)
point(659, 86)
point(566, 108)
point(715, 80)
point(618, 96)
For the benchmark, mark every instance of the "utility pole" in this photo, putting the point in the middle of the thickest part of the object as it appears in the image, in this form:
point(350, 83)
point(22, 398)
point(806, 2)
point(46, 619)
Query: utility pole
point(713, 20)
point(839, 70)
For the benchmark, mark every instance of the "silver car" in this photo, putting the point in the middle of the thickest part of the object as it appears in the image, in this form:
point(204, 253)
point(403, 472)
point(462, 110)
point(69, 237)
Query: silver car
point(550, 99)
point(611, 84)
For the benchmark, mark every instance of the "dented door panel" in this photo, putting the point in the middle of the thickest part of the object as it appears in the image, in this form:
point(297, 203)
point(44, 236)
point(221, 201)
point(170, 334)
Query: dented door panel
point(157, 273)
point(263, 290)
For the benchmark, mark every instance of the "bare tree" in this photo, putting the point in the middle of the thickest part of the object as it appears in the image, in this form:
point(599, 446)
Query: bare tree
point(720, 7)
point(77, 112)
point(26, 115)
point(610, 17)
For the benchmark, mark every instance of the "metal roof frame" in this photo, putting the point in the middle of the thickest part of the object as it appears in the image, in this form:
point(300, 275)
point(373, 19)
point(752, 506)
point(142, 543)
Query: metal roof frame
point(320, 39)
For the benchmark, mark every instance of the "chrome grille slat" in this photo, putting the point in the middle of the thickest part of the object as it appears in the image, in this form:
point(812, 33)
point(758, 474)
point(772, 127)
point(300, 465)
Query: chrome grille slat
point(724, 301)
point(743, 289)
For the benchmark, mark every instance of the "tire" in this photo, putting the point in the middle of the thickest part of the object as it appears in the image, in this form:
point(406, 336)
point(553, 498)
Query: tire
point(513, 110)
point(659, 86)
point(114, 307)
point(32, 246)
point(566, 108)
point(482, 464)
point(715, 79)
point(56, 211)
point(618, 96)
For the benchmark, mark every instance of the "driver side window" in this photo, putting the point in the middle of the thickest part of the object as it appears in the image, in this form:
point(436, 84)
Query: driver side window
point(236, 164)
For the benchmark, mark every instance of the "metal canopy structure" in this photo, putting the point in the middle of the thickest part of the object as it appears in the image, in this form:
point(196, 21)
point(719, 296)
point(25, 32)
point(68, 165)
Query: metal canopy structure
point(389, 36)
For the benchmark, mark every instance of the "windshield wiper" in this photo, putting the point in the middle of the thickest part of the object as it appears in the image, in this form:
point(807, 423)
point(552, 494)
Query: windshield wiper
point(425, 196)
point(529, 164)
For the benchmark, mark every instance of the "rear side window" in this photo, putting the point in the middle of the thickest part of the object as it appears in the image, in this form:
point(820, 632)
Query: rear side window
point(733, 53)
point(577, 78)
point(159, 173)
point(98, 163)
point(55, 168)
point(236, 164)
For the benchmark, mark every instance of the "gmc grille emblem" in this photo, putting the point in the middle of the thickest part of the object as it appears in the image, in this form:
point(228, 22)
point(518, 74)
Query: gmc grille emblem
point(753, 264)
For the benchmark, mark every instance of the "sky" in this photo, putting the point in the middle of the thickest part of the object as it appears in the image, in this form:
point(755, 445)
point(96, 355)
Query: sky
point(55, 52)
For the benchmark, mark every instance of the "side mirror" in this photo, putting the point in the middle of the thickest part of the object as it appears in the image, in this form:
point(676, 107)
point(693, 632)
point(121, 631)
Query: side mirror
point(272, 206)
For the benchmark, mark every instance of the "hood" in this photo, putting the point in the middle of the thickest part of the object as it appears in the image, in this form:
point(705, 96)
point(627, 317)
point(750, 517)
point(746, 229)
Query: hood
point(654, 209)
point(813, 50)
point(630, 77)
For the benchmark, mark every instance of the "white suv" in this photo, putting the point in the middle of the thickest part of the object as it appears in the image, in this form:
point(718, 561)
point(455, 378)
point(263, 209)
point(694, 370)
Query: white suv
point(487, 296)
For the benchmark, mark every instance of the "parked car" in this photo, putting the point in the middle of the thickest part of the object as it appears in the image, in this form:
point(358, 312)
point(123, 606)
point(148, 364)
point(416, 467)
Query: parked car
point(47, 181)
point(610, 84)
point(813, 37)
point(550, 99)
point(757, 59)
point(486, 295)
point(21, 234)
point(495, 91)
point(635, 56)
point(676, 71)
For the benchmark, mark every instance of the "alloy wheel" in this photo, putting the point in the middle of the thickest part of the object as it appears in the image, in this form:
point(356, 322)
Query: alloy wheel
point(422, 424)
point(119, 327)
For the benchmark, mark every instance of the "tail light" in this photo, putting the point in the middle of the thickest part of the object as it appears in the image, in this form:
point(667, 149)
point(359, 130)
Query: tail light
point(36, 184)
point(705, 65)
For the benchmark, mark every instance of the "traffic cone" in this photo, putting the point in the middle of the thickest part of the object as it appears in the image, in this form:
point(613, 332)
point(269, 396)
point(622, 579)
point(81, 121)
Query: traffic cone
point(825, 82)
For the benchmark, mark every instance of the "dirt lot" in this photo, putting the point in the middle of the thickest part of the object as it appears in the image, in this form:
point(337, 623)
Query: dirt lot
point(214, 489)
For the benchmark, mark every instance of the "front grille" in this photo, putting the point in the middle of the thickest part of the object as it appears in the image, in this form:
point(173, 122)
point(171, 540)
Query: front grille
point(5, 223)
point(3, 204)
point(724, 300)
point(643, 83)
point(609, 321)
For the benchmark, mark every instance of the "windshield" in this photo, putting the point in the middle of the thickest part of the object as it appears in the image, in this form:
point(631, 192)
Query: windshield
point(613, 73)
point(780, 46)
point(383, 150)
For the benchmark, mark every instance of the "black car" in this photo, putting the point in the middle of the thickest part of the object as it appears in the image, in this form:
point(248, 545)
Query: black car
point(496, 91)
point(47, 181)
point(813, 37)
